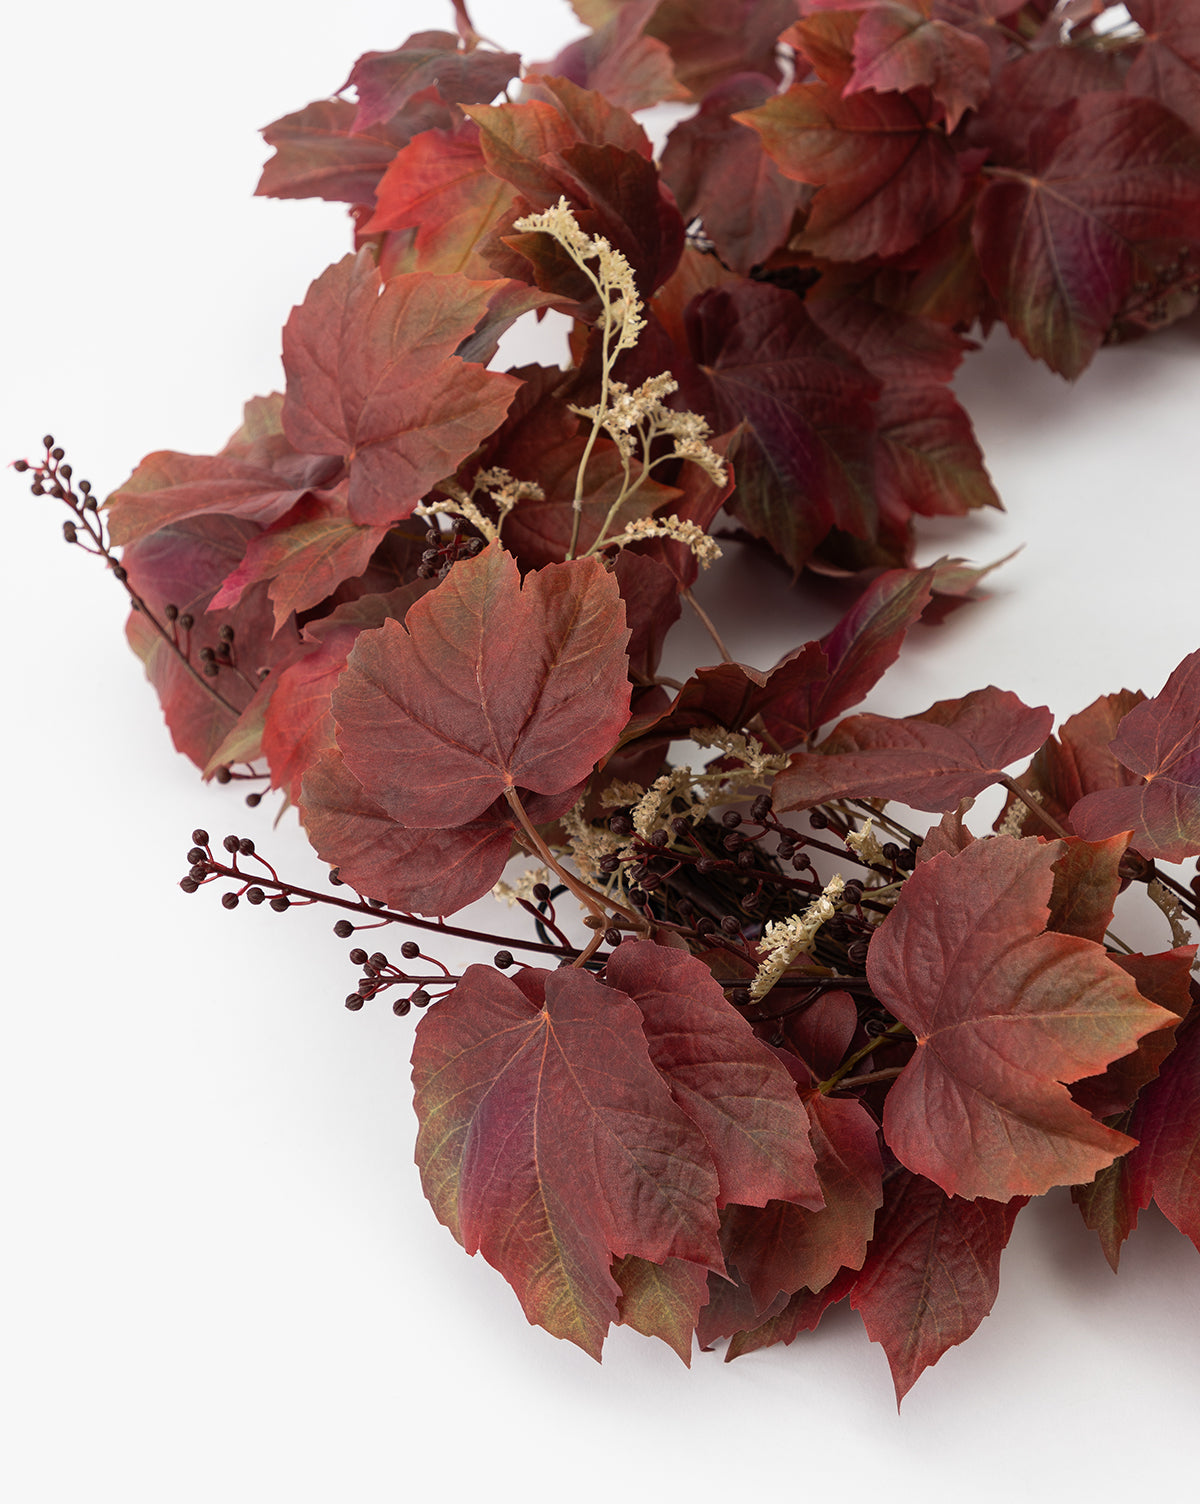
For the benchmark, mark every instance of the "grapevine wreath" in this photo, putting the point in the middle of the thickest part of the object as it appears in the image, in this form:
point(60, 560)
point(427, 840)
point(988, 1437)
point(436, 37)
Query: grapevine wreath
point(769, 1021)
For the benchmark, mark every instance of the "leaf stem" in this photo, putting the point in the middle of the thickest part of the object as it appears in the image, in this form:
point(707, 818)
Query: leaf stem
point(893, 1031)
point(706, 622)
point(1047, 819)
point(594, 902)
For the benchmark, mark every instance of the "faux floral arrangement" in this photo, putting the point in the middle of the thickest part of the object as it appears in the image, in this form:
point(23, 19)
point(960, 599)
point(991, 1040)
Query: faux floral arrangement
point(793, 1035)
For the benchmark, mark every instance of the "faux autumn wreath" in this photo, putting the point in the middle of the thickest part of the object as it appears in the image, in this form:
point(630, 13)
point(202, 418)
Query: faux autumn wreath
point(797, 1051)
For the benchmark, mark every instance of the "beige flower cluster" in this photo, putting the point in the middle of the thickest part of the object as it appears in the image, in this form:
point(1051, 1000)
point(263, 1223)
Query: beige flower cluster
point(784, 940)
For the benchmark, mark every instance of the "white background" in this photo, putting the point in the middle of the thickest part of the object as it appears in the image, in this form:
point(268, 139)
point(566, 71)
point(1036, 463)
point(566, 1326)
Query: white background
point(220, 1279)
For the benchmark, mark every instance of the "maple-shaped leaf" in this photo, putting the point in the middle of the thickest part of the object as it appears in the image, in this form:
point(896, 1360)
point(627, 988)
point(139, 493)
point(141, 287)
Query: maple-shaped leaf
point(884, 178)
point(488, 685)
point(439, 186)
point(257, 475)
point(784, 1247)
point(550, 1143)
point(1028, 85)
point(713, 40)
point(387, 81)
point(304, 556)
point(1167, 64)
point(651, 595)
point(1003, 1014)
point(897, 47)
point(183, 565)
point(727, 1081)
point(1165, 1166)
point(931, 1275)
point(1158, 741)
point(1058, 240)
point(372, 376)
point(432, 872)
point(732, 694)
point(731, 1308)
point(662, 1300)
point(951, 751)
point(299, 720)
point(789, 1317)
point(1107, 1203)
point(1165, 979)
point(319, 154)
point(620, 61)
point(804, 409)
point(1076, 762)
point(719, 173)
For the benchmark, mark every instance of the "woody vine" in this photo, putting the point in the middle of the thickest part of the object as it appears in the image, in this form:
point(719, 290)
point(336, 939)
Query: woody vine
point(751, 1021)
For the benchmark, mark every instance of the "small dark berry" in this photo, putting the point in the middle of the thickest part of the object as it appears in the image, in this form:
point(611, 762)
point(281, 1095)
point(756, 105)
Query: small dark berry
point(907, 860)
point(354, 1002)
point(279, 904)
point(503, 959)
point(245, 846)
point(817, 820)
point(401, 1006)
point(65, 471)
point(745, 860)
point(57, 452)
point(226, 633)
point(335, 877)
point(255, 896)
point(609, 863)
point(358, 956)
point(730, 925)
point(85, 486)
point(48, 441)
point(377, 958)
point(120, 573)
point(612, 938)
point(188, 884)
point(651, 881)
point(680, 827)
point(343, 929)
point(197, 854)
point(210, 670)
point(230, 843)
point(733, 841)
point(366, 987)
point(740, 997)
point(37, 489)
point(20, 466)
point(229, 900)
point(187, 621)
point(200, 837)
point(705, 926)
point(636, 897)
point(731, 819)
point(761, 808)
point(621, 825)
point(207, 655)
point(198, 871)
point(853, 891)
point(705, 865)
point(433, 536)
point(171, 612)
point(410, 950)
point(69, 532)
point(421, 998)
point(223, 774)
point(659, 838)
point(856, 952)
point(253, 800)
point(541, 892)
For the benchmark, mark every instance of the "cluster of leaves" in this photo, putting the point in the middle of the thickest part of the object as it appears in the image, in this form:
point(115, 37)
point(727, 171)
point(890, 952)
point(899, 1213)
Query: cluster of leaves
point(671, 1130)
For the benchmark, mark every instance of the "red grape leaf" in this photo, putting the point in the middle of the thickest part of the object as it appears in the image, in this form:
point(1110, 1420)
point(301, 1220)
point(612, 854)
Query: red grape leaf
point(951, 751)
point(731, 1308)
point(662, 1300)
point(1076, 762)
point(1165, 1165)
point(1164, 979)
point(884, 178)
point(1057, 241)
point(549, 1143)
point(372, 375)
point(949, 835)
point(783, 1247)
point(1003, 1014)
point(388, 81)
point(1107, 1204)
point(439, 186)
point(802, 408)
point(299, 719)
point(932, 1273)
point(486, 686)
point(896, 47)
point(801, 1312)
point(1087, 879)
point(432, 872)
point(1159, 742)
point(727, 1081)
point(304, 556)
point(183, 564)
point(1026, 86)
point(1167, 65)
point(732, 694)
point(257, 475)
point(318, 154)
point(618, 60)
point(711, 40)
point(719, 173)
point(651, 595)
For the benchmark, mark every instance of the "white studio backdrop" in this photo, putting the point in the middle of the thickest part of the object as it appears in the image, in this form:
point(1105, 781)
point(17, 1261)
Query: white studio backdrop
point(221, 1280)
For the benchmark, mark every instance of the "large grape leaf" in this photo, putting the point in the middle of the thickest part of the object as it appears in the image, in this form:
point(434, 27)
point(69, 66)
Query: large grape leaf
point(1158, 741)
point(931, 1275)
point(787, 1317)
point(319, 154)
point(485, 687)
point(439, 186)
point(884, 178)
point(550, 1143)
point(388, 81)
point(784, 1247)
point(619, 61)
point(372, 376)
point(1165, 1165)
point(1167, 65)
point(1058, 240)
point(897, 47)
point(727, 1081)
point(951, 751)
point(802, 407)
point(304, 556)
point(719, 173)
point(662, 1300)
point(1003, 1014)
